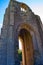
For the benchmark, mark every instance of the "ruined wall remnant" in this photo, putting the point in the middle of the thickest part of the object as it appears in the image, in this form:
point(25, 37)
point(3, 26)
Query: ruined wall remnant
point(18, 16)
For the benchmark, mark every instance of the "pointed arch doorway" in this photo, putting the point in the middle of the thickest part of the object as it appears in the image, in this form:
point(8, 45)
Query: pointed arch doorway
point(27, 47)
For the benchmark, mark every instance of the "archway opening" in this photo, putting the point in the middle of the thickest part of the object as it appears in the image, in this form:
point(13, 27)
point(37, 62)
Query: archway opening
point(26, 47)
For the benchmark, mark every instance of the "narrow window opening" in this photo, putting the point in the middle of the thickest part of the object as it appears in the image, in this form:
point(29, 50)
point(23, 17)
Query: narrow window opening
point(22, 9)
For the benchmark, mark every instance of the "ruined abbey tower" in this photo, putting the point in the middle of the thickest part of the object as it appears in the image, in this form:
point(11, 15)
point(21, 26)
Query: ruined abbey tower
point(20, 22)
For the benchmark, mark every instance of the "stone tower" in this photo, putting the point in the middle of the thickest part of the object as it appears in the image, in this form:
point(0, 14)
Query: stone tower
point(20, 22)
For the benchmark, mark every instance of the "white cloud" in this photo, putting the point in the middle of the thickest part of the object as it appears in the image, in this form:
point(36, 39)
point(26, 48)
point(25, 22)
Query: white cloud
point(38, 9)
point(20, 44)
point(0, 27)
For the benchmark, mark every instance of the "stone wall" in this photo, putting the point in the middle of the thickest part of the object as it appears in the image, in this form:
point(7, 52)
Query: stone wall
point(14, 20)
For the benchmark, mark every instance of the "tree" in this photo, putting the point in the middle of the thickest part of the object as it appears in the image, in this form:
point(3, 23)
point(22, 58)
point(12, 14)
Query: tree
point(20, 55)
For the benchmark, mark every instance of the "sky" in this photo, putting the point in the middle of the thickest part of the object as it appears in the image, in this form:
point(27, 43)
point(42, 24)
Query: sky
point(35, 5)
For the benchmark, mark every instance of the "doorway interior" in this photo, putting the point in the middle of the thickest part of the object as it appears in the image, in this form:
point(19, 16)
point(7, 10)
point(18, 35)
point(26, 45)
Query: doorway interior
point(26, 47)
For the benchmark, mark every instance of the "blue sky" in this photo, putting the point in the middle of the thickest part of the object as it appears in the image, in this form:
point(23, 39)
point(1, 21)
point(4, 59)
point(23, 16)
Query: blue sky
point(35, 5)
point(3, 5)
